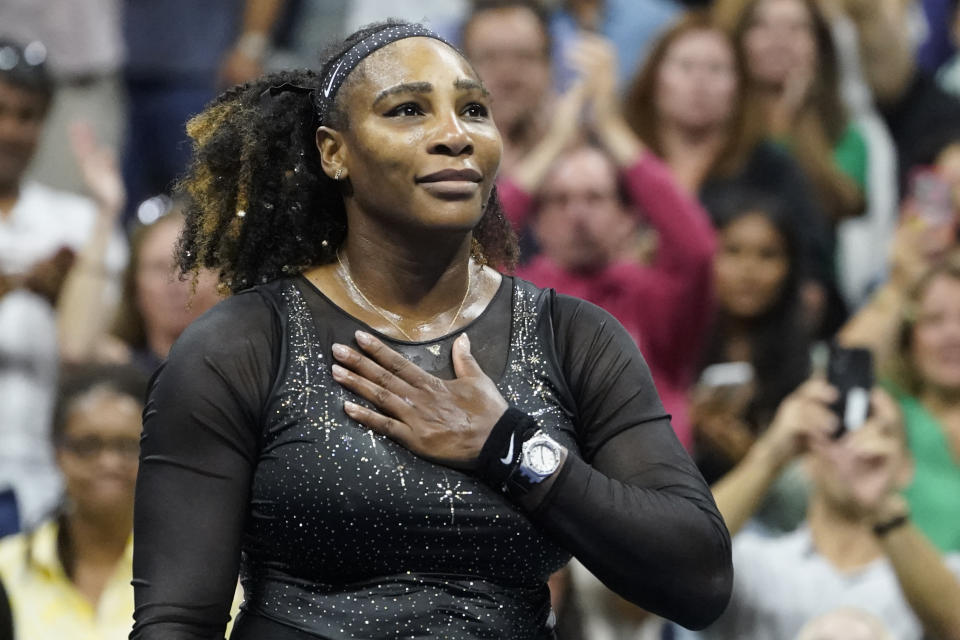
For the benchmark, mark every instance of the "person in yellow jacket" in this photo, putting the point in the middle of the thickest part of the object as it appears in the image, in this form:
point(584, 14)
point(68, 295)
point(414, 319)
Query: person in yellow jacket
point(70, 576)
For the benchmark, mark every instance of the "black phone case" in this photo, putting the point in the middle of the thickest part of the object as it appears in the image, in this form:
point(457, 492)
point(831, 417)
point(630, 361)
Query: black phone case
point(849, 370)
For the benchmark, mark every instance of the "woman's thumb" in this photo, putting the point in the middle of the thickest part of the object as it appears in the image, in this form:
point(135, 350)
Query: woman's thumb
point(464, 364)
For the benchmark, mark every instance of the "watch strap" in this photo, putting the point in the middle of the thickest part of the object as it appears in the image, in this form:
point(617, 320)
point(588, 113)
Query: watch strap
point(524, 478)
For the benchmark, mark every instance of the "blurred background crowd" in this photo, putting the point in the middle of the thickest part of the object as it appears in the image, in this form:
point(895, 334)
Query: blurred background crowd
point(737, 181)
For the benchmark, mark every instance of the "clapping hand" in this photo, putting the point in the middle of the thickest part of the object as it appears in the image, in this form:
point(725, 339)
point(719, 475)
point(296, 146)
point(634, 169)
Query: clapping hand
point(595, 58)
point(445, 421)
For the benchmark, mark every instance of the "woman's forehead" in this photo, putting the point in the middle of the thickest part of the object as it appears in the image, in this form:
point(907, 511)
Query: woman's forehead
point(412, 60)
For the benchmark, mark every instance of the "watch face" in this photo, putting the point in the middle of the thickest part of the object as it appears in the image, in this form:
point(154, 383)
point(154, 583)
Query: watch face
point(543, 458)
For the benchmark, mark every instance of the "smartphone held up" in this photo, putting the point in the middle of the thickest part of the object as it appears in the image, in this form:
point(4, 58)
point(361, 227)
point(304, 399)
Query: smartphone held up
point(850, 372)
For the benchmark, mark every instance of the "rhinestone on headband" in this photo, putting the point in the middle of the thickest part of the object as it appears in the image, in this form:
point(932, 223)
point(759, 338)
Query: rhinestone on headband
point(334, 78)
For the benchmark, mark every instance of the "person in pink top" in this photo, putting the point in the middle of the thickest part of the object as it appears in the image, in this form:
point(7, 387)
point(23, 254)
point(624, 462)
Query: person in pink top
point(584, 203)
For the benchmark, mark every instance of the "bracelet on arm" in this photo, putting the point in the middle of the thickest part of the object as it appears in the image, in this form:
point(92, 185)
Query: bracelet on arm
point(501, 453)
point(881, 529)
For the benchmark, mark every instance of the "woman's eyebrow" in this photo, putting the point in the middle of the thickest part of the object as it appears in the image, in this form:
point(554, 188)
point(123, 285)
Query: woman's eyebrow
point(426, 87)
point(467, 83)
point(406, 87)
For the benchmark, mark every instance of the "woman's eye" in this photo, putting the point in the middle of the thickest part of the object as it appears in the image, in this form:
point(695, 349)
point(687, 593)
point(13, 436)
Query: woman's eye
point(405, 109)
point(475, 110)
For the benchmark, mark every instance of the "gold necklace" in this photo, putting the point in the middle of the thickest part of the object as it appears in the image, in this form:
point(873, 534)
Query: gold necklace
point(382, 312)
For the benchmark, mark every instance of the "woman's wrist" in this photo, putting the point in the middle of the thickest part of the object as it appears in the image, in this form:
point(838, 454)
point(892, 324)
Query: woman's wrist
point(619, 140)
point(770, 452)
point(531, 171)
point(891, 513)
point(500, 455)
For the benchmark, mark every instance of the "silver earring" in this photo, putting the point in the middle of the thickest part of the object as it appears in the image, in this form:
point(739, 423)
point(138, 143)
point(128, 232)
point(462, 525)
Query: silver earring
point(338, 174)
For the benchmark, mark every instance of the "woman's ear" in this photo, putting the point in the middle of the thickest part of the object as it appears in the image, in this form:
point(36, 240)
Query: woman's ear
point(333, 153)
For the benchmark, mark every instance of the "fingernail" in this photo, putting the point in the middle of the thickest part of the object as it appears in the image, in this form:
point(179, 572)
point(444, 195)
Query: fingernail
point(465, 339)
point(350, 406)
point(340, 351)
point(363, 337)
point(339, 372)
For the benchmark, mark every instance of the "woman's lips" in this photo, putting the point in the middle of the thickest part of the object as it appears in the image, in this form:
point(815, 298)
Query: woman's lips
point(452, 183)
point(452, 175)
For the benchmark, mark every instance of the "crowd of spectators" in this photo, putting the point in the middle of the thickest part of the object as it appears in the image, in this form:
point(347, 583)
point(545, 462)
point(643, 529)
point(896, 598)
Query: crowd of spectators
point(739, 182)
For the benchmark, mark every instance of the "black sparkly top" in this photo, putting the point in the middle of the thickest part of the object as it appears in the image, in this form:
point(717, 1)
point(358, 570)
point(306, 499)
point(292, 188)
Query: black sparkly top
point(249, 459)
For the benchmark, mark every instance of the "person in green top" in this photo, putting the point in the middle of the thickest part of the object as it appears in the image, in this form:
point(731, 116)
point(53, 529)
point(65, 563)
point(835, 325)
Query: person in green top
point(913, 325)
point(926, 378)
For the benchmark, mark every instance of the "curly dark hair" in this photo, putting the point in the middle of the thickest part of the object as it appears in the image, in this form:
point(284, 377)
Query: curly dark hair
point(258, 204)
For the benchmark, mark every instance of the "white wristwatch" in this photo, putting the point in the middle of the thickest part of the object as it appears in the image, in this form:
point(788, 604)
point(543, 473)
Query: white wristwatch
point(540, 457)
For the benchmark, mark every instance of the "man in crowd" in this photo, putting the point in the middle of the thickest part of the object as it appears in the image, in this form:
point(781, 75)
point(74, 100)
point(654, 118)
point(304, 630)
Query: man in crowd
point(509, 44)
point(857, 550)
point(43, 231)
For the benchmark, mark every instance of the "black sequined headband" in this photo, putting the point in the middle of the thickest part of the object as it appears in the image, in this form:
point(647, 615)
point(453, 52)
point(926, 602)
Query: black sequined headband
point(324, 97)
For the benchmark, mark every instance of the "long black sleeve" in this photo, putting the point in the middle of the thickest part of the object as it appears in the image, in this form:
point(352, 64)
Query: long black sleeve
point(198, 452)
point(635, 511)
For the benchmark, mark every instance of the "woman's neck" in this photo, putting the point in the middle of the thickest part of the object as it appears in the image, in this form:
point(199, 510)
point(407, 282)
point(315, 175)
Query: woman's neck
point(770, 104)
point(940, 401)
point(91, 546)
point(691, 153)
point(98, 539)
point(417, 280)
point(846, 541)
point(944, 404)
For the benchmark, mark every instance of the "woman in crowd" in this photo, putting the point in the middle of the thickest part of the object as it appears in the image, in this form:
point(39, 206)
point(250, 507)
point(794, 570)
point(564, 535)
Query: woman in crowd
point(759, 322)
point(70, 576)
point(156, 305)
point(690, 105)
point(922, 322)
point(391, 487)
point(793, 72)
point(927, 378)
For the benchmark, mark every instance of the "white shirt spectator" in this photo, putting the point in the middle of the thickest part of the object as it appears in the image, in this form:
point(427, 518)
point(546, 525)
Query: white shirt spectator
point(45, 219)
point(28, 382)
point(781, 583)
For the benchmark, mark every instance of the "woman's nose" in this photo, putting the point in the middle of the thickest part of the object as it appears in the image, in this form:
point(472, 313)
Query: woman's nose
point(451, 137)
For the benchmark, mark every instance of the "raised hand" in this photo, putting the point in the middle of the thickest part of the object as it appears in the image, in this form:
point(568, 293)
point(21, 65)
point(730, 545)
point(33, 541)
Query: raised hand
point(803, 420)
point(98, 165)
point(717, 414)
point(917, 245)
point(595, 59)
point(870, 460)
point(565, 129)
point(446, 421)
